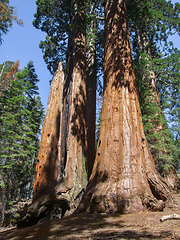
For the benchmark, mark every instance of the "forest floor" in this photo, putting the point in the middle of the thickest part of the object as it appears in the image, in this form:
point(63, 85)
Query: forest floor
point(143, 225)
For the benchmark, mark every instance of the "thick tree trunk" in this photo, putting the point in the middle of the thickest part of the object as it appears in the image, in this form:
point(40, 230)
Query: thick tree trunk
point(61, 175)
point(61, 168)
point(91, 95)
point(72, 175)
point(124, 178)
point(45, 199)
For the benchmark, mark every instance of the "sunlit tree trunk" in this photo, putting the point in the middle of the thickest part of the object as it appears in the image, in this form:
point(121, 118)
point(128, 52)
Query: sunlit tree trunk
point(46, 168)
point(61, 168)
point(72, 172)
point(124, 178)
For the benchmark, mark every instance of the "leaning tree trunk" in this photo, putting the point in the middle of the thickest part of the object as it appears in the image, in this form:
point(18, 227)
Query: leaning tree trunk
point(124, 178)
point(45, 201)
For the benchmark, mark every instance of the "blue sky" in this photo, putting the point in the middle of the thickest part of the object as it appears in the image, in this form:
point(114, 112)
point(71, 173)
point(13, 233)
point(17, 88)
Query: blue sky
point(23, 43)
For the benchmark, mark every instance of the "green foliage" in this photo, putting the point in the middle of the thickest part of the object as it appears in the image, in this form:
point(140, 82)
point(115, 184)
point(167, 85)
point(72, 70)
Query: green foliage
point(53, 17)
point(151, 23)
point(167, 70)
point(7, 16)
point(21, 115)
point(158, 18)
point(56, 19)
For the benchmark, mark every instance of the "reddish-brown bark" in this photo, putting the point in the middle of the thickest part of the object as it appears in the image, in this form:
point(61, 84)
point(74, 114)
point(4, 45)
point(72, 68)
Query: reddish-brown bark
point(61, 168)
point(46, 169)
point(124, 178)
point(72, 175)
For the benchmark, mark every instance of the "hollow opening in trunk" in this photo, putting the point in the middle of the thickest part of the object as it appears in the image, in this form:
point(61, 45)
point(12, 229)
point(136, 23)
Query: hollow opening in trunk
point(154, 190)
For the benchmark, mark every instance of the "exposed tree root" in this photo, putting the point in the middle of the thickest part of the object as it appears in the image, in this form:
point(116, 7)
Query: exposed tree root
point(50, 206)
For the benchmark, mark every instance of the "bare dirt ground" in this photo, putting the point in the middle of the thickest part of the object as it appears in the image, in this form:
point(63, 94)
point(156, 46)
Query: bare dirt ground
point(144, 225)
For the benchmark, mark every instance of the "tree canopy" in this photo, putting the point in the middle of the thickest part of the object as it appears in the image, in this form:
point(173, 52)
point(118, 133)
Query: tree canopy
point(7, 16)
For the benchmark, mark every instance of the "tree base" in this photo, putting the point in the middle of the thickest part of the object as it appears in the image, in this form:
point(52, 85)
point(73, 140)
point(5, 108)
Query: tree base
point(106, 198)
point(50, 206)
point(172, 179)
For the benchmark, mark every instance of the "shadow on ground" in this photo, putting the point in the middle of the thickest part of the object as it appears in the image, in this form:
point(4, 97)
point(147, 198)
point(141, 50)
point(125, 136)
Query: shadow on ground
point(99, 226)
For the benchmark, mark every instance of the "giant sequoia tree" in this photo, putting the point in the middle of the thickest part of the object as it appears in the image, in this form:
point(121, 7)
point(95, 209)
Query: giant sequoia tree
point(124, 178)
point(57, 22)
point(61, 167)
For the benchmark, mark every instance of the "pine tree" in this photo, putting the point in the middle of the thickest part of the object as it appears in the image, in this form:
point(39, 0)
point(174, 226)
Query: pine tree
point(167, 69)
point(20, 116)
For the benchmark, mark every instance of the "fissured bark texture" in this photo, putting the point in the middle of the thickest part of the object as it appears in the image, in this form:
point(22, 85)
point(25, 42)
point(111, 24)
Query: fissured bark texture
point(72, 175)
point(124, 178)
point(61, 167)
point(46, 168)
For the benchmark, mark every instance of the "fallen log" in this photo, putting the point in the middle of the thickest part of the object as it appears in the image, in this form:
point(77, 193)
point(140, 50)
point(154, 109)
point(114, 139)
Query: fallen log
point(170, 217)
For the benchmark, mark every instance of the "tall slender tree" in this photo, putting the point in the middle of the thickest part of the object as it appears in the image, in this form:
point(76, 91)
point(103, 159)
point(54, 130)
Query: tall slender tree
point(150, 24)
point(21, 114)
point(91, 87)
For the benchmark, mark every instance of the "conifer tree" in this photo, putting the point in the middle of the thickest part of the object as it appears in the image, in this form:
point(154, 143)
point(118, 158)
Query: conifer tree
point(124, 178)
point(7, 71)
point(61, 168)
point(150, 24)
point(20, 116)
